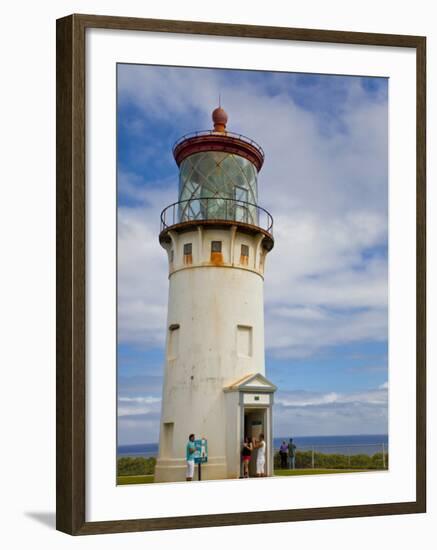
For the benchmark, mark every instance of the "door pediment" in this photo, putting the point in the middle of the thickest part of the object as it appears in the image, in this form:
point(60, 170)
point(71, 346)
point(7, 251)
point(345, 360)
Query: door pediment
point(252, 382)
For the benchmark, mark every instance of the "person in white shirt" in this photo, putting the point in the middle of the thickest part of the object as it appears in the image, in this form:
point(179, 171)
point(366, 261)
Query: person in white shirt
point(260, 456)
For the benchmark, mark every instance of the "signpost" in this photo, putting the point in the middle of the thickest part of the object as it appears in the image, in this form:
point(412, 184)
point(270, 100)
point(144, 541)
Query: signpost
point(200, 454)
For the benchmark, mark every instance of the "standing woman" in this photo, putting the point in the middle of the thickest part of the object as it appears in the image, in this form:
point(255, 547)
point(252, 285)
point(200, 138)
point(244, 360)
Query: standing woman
point(260, 456)
point(246, 455)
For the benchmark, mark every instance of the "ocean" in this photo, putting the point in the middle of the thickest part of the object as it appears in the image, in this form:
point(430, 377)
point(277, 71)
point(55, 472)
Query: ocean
point(330, 444)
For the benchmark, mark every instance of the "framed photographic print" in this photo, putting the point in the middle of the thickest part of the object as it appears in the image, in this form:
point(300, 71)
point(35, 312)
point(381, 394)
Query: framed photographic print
point(240, 274)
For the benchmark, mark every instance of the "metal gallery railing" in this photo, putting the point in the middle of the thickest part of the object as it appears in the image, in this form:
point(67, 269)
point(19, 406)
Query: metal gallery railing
point(216, 209)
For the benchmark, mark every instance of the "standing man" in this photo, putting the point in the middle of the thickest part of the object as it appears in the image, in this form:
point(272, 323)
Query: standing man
point(291, 455)
point(260, 456)
point(191, 449)
point(283, 453)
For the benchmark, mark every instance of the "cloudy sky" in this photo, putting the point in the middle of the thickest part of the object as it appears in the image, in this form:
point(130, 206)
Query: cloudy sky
point(325, 182)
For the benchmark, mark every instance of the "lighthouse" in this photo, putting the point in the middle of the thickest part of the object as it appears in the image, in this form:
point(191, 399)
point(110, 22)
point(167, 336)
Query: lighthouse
point(217, 237)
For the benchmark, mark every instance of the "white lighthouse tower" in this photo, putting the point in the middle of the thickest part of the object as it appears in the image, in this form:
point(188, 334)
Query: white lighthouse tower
point(217, 238)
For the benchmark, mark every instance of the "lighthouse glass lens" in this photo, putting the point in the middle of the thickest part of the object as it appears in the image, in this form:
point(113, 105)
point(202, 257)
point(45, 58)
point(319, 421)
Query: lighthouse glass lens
point(218, 185)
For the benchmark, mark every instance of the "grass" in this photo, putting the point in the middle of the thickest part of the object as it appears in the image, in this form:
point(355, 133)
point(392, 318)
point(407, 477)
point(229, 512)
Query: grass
point(133, 480)
point(314, 471)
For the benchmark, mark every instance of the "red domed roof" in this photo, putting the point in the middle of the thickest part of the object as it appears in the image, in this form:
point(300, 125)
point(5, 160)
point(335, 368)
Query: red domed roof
point(218, 139)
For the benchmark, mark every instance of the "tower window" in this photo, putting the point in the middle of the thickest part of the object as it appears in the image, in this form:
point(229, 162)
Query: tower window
point(188, 250)
point(167, 439)
point(171, 256)
point(173, 341)
point(244, 257)
point(216, 246)
point(244, 341)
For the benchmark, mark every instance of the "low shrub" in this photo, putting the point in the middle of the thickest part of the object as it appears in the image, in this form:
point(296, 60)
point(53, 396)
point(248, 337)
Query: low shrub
point(336, 461)
point(135, 465)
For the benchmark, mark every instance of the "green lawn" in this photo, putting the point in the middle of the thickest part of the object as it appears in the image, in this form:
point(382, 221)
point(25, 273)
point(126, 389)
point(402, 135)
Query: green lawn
point(132, 480)
point(313, 471)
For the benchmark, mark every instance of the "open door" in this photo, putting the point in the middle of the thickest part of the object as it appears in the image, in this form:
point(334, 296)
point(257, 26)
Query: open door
point(254, 425)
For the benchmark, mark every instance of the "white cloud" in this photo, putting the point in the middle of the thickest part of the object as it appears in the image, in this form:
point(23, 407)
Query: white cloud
point(142, 278)
point(315, 413)
point(148, 399)
point(138, 419)
point(308, 399)
point(137, 429)
point(301, 337)
point(295, 413)
point(134, 406)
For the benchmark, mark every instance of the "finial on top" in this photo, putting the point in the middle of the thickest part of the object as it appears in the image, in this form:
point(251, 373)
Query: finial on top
point(220, 118)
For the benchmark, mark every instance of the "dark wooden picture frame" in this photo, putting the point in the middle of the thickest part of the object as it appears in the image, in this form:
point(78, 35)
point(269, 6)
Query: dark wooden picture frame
point(70, 274)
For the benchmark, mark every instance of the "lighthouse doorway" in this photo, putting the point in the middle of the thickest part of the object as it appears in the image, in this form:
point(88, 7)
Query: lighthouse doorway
point(255, 423)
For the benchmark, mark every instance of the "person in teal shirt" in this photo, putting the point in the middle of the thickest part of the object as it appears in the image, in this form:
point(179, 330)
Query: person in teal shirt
point(190, 450)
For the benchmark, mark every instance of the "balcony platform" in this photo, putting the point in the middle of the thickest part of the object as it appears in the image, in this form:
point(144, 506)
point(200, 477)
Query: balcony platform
point(217, 212)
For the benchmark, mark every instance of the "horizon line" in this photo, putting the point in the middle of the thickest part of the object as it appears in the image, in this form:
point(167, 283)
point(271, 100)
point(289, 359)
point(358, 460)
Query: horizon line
point(276, 437)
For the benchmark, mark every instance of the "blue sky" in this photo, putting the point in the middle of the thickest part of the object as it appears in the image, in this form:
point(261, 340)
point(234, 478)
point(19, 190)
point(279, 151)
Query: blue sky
point(326, 284)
